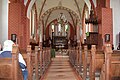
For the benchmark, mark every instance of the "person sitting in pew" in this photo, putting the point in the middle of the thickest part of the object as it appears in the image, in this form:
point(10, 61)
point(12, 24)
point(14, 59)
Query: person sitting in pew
point(6, 53)
point(33, 43)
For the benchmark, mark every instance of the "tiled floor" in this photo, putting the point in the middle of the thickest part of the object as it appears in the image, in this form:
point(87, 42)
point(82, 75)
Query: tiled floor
point(60, 69)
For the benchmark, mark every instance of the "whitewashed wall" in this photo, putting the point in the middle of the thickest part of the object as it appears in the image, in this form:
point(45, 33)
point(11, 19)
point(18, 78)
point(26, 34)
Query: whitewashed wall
point(3, 20)
point(94, 1)
point(0, 21)
point(115, 5)
point(25, 2)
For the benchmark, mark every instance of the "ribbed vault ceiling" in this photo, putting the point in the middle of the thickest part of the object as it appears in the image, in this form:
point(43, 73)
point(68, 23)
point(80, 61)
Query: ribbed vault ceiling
point(44, 6)
point(76, 6)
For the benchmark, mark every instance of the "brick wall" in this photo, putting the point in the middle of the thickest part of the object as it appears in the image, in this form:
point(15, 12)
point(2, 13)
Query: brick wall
point(14, 19)
point(104, 13)
point(18, 24)
point(107, 24)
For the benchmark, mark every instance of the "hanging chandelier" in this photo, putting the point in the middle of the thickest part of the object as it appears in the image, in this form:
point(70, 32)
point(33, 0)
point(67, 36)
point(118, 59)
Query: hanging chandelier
point(62, 18)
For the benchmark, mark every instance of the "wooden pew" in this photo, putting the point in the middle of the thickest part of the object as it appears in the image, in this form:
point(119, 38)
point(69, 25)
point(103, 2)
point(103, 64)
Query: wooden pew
point(97, 61)
point(108, 62)
point(37, 60)
point(9, 67)
point(115, 65)
point(83, 61)
point(31, 58)
point(90, 63)
point(105, 62)
point(45, 59)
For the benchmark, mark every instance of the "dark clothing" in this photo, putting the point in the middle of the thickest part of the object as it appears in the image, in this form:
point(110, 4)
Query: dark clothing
point(1, 49)
point(112, 47)
point(33, 45)
point(7, 54)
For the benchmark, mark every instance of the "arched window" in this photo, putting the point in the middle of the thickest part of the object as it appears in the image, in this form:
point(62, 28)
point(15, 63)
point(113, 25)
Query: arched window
point(59, 27)
point(66, 27)
point(53, 27)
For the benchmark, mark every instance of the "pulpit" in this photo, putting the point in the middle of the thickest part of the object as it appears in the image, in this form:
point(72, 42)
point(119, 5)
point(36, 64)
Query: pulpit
point(92, 38)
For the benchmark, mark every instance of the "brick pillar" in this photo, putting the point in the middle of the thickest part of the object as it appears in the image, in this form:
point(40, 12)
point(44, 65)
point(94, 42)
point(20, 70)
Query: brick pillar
point(104, 13)
point(27, 36)
point(107, 23)
point(107, 4)
point(17, 23)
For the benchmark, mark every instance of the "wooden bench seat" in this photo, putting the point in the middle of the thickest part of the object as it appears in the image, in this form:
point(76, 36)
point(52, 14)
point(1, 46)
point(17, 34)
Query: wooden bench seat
point(9, 67)
point(107, 62)
point(31, 58)
point(115, 65)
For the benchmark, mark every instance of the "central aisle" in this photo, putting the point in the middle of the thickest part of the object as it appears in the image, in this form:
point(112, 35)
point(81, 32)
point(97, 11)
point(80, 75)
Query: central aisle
point(60, 69)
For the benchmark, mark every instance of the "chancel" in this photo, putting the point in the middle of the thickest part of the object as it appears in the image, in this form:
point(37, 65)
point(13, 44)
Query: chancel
point(60, 35)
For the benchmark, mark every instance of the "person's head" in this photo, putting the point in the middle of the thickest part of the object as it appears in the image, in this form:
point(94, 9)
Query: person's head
point(8, 45)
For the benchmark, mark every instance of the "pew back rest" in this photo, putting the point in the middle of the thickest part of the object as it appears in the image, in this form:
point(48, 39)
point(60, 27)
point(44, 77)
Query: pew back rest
point(25, 56)
point(5, 68)
point(6, 72)
point(100, 57)
point(115, 63)
point(29, 57)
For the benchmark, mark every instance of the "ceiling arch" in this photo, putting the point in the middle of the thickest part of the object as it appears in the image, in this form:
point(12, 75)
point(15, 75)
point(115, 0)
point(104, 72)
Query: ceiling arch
point(54, 13)
point(74, 5)
point(59, 8)
point(30, 8)
point(44, 5)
